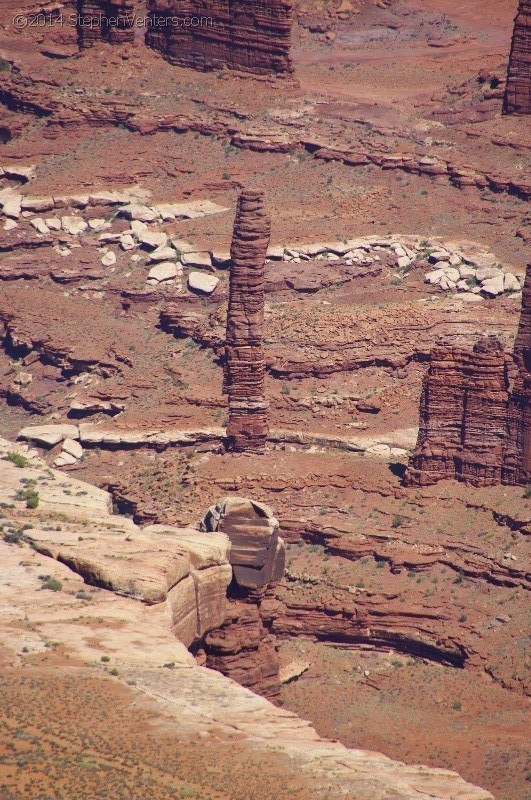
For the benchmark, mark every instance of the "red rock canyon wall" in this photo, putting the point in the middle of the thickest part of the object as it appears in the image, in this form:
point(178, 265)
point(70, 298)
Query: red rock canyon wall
point(249, 35)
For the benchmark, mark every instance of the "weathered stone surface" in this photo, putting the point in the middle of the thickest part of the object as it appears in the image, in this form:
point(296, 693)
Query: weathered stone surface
point(518, 90)
point(49, 435)
point(517, 463)
point(251, 36)
point(463, 415)
point(105, 20)
point(201, 282)
point(244, 366)
point(473, 425)
point(257, 552)
point(242, 647)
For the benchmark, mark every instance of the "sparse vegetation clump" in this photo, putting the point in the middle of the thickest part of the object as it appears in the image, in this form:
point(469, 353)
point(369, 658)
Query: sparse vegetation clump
point(31, 496)
point(17, 458)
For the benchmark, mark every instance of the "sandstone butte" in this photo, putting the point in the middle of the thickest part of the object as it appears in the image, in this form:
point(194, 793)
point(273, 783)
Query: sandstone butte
point(475, 419)
point(168, 586)
point(244, 358)
point(249, 35)
point(518, 90)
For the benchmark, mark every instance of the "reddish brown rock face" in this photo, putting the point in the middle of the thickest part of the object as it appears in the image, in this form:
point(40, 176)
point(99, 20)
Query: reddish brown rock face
point(518, 91)
point(105, 21)
point(473, 426)
point(242, 648)
point(517, 466)
point(463, 416)
point(247, 35)
point(244, 366)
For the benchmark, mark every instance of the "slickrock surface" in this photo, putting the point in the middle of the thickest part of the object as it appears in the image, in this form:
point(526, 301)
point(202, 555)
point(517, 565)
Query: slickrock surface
point(242, 648)
point(101, 623)
point(180, 570)
point(101, 20)
point(244, 358)
point(518, 90)
point(249, 36)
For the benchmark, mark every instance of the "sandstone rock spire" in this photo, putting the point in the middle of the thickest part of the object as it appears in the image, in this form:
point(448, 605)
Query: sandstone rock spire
point(244, 365)
point(475, 412)
point(518, 92)
point(463, 416)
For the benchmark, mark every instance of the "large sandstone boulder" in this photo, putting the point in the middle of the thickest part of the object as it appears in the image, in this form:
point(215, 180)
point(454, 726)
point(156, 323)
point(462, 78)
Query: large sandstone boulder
point(257, 552)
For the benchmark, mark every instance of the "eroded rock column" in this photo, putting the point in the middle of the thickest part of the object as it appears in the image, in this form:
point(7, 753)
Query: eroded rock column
point(518, 91)
point(242, 648)
point(463, 416)
point(244, 358)
point(517, 465)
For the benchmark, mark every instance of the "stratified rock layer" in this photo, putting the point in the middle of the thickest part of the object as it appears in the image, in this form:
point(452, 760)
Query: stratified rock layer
point(242, 647)
point(244, 362)
point(475, 412)
point(517, 463)
point(463, 416)
point(518, 91)
point(247, 35)
point(104, 20)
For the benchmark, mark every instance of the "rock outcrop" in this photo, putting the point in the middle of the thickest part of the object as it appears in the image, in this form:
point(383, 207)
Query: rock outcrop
point(475, 412)
point(518, 91)
point(463, 415)
point(242, 647)
point(180, 571)
point(517, 462)
point(105, 20)
point(251, 36)
point(244, 358)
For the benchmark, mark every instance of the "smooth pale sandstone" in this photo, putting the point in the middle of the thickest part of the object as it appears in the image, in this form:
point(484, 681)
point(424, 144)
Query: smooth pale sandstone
point(152, 239)
point(165, 271)
point(196, 259)
point(49, 435)
point(200, 282)
point(257, 552)
point(138, 211)
point(194, 209)
point(162, 253)
point(72, 447)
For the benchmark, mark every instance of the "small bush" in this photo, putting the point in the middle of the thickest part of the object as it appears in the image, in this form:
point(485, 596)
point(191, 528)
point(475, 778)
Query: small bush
point(52, 584)
point(398, 521)
point(114, 671)
point(105, 659)
point(457, 705)
point(17, 459)
point(31, 496)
